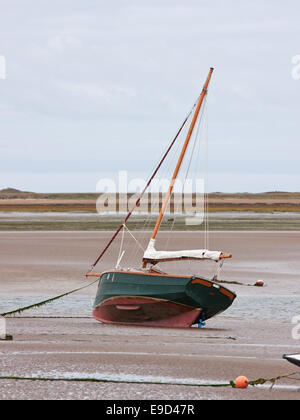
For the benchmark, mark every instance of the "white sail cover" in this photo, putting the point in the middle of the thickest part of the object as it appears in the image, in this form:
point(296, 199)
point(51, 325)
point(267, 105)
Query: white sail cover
point(152, 254)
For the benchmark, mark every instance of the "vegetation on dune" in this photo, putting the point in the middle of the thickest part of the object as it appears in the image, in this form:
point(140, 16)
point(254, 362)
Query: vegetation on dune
point(8, 193)
point(267, 202)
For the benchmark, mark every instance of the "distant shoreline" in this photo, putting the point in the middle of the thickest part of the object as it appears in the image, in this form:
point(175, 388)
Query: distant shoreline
point(89, 206)
point(12, 200)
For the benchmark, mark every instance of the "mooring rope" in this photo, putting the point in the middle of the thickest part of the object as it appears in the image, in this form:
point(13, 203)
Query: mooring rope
point(44, 302)
point(260, 381)
point(257, 284)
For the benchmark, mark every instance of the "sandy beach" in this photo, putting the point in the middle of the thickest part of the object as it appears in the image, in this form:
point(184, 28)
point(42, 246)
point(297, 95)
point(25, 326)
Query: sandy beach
point(62, 340)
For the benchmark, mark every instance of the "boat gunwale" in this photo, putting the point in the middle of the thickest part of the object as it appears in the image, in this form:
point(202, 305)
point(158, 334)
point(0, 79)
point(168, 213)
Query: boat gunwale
point(145, 273)
point(193, 277)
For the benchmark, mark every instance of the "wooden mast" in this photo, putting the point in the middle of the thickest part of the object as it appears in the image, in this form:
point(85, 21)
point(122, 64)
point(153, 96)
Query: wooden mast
point(182, 154)
point(175, 174)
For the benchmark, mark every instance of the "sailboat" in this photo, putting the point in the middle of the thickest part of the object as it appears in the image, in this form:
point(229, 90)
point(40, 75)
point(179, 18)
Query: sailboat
point(149, 297)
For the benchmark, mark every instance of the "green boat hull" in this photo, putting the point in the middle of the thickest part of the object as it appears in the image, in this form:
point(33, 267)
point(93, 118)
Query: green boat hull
point(153, 299)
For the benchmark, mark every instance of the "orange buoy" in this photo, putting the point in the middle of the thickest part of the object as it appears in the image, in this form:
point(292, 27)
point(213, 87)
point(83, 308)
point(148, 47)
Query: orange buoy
point(241, 382)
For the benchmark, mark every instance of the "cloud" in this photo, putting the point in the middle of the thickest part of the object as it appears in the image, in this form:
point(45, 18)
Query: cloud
point(115, 80)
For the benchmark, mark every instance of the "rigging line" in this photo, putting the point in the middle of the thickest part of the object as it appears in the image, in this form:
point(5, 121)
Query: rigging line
point(196, 145)
point(180, 160)
point(196, 174)
point(142, 193)
point(142, 248)
point(195, 142)
point(154, 202)
point(157, 197)
point(197, 133)
point(154, 199)
point(121, 246)
point(206, 178)
point(206, 215)
point(167, 176)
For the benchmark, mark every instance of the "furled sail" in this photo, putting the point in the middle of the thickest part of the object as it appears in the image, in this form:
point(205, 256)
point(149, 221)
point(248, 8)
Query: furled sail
point(153, 256)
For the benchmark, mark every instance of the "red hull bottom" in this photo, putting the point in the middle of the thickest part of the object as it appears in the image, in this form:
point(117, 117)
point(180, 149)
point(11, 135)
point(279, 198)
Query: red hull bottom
point(143, 311)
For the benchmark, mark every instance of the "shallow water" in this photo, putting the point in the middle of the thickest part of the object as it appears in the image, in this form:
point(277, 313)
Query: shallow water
point(231, 215)
point(245, 307)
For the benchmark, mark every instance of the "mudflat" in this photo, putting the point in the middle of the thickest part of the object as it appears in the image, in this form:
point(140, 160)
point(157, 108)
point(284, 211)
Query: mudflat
point(62, 340)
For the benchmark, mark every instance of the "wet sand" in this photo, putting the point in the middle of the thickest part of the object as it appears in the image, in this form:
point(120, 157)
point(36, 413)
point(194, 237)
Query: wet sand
point(251, 343)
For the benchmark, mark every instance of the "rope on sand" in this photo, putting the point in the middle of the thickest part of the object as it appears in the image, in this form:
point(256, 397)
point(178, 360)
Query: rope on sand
point(257, 284)
point(44, 302)
point(260, 381)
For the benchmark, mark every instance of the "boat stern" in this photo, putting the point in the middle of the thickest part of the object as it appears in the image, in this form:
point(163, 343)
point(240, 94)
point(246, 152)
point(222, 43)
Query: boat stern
point(210, 296)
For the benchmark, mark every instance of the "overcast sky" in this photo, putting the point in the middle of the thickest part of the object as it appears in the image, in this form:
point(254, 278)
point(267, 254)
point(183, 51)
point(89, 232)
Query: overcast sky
point(94, 87)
